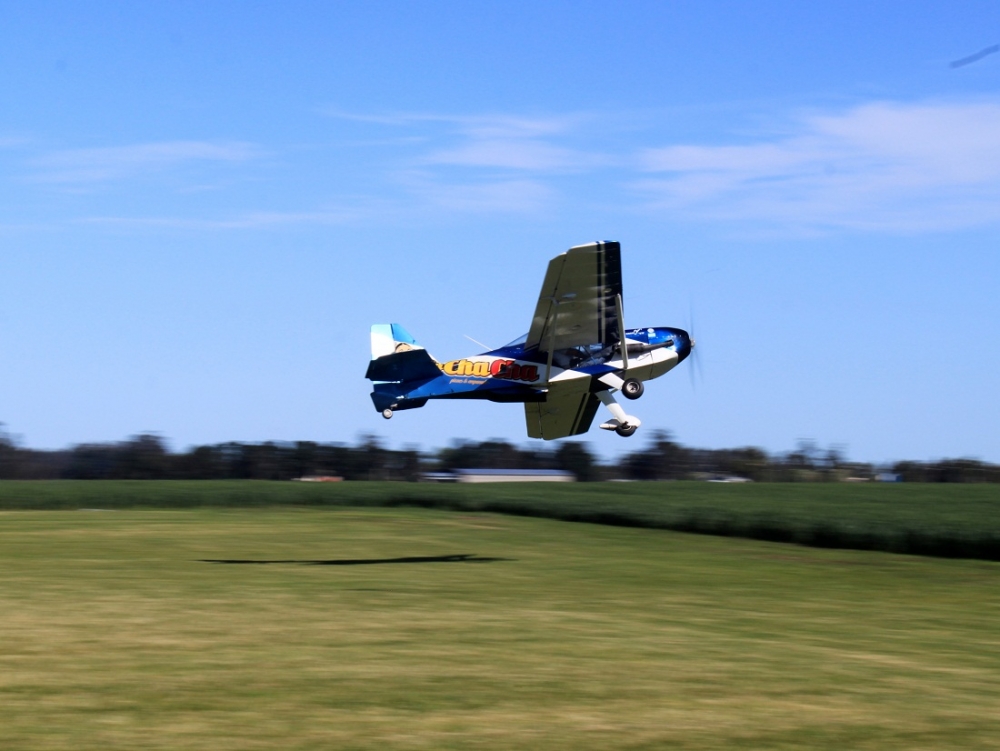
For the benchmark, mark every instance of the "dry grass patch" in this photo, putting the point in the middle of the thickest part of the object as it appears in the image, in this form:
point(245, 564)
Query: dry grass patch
point(116, 634)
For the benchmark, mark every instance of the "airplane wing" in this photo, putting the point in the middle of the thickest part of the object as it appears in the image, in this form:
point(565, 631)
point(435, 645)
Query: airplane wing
point(568, 409)
point(577, 305)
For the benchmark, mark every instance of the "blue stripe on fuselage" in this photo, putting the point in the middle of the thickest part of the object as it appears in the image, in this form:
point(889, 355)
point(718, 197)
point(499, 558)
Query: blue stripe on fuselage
point(455, 387)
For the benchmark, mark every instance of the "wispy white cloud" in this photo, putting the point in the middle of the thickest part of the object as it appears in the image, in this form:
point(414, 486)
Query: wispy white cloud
point(499, 141)
point(882, 166)
point(489, 163)
point(484, 126)
point(246, 220)
point(497, 196)
point(499, 164)
point(424, 196)
point(511, 154)
point(13, 142)
point(117, 162)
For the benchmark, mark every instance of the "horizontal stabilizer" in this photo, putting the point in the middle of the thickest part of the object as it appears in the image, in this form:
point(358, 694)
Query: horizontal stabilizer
point(411, 365)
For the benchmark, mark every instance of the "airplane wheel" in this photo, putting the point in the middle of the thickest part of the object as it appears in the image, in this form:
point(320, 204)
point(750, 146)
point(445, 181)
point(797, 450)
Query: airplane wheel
point(626, 430)
point(632, 388)
point(387, 413)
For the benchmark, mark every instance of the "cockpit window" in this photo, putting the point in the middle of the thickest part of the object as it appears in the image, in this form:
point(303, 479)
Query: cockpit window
point(579, 357)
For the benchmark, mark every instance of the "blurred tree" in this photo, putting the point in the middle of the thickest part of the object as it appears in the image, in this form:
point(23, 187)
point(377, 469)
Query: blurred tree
point(201, 463)
point(663, 460)
point(8, 455)
point(750, 463)
point(142, 457)
point(91, 461)
point(146, 456)
point(576, 458)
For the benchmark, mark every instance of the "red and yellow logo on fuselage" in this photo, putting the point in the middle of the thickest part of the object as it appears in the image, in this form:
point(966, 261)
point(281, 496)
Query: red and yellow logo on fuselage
point(509, 370)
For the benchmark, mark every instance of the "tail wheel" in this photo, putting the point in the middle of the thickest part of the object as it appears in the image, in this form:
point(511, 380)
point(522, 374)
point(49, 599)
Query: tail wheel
point(632, 389)
point(387, 413)
point(626, 430)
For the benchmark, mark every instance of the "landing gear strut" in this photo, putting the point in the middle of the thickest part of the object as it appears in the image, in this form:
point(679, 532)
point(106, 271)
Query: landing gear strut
point(624, 425)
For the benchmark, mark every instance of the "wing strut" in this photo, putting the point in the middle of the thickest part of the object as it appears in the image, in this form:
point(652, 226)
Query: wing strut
point(552, 340)
point(621, 331)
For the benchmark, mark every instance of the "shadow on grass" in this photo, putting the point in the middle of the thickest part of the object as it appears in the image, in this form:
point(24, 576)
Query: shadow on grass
point(462, 558)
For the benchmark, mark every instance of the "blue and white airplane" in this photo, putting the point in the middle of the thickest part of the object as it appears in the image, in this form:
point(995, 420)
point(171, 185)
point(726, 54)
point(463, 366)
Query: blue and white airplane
point(571, 360)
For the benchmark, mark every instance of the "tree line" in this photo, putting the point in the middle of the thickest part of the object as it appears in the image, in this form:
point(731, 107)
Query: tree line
point(147, 457)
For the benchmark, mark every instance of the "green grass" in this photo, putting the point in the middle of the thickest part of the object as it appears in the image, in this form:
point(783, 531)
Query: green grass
point(115, 634)
point(943, 520)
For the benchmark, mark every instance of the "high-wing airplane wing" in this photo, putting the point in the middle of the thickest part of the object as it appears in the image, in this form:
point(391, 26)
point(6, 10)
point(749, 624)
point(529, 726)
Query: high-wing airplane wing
point(568, 409)
point(578, 302)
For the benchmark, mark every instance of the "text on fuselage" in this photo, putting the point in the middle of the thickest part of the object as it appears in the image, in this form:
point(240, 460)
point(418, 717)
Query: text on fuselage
point(509, 370)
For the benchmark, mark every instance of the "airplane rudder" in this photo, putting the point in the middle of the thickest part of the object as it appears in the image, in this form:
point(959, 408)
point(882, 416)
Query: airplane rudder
point(390, 338)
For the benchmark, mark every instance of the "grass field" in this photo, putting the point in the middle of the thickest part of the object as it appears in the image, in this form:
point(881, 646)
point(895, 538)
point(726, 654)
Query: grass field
point(960, 521)
point(374, 628)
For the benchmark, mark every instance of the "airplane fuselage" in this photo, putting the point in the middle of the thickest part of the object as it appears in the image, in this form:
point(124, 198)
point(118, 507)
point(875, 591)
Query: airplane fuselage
point(513, 374)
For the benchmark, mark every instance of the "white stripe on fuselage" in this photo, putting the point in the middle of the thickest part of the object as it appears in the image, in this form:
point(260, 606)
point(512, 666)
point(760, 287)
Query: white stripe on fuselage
point(643, 366)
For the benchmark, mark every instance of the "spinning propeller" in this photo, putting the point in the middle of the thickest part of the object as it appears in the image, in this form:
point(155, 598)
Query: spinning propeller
point(694, 357)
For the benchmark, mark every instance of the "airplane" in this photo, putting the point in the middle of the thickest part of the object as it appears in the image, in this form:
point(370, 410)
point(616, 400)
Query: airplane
point(575, 357)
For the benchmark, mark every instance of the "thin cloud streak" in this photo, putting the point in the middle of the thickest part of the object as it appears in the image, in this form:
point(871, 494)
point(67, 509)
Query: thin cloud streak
point(13, 142)
point(118, 162)
point(249, 220)
point(421, 196)
point(483, 164)
point(880, 166)
point(509, 142)
point(495, 197)
point(482, 126)
point(511, 154)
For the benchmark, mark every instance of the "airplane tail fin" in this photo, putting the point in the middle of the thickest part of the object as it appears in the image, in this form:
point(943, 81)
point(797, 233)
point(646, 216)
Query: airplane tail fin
point(390, 338)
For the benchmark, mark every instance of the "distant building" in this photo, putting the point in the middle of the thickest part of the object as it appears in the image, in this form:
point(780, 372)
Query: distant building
point(439, 477)
point(501, 475)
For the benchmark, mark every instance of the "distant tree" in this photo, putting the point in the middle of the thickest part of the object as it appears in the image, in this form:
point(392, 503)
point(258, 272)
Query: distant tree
point(947, 470)
point(494, 454)
point(201, 463)
point(91, 461)
point(146, 456)
point(303, 460)
point(831, 462)
point(372, 459)
point(8, 455)
point(750, 462)
point(142, 457)
point(662, 460)
point(574, 457)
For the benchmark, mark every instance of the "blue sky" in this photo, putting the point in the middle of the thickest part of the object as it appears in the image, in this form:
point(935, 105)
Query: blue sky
point(204, 206)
